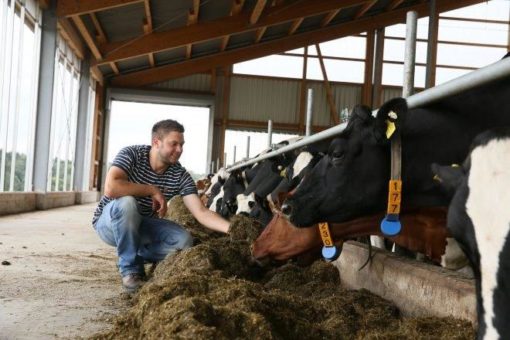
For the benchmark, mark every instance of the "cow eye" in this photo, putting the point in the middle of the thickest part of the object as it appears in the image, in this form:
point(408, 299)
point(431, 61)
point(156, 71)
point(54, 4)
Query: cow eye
point(337, 155)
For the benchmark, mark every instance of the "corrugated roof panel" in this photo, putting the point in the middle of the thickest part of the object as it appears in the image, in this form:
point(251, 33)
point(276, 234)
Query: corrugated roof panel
point(133, 64)
point(259, 99)
point(173, 55)
point(277, 30)
point(167, 15)
point(196, 82)
point(241, 39)
point(122, 23)
point(216, 9)
point(206, 47)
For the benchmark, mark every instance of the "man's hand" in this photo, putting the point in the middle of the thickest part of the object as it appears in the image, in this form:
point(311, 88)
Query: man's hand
point(159, 203)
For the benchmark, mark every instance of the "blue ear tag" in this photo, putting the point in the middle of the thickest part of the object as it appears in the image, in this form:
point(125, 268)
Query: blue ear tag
point(390, 225)
point(330, 253)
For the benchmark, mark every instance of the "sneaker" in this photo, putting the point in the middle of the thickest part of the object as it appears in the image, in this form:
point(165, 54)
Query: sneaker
point(131, 282)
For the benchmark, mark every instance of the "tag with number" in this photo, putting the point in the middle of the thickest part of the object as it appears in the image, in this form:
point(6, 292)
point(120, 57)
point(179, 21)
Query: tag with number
point(394, 196)
point(325, 234)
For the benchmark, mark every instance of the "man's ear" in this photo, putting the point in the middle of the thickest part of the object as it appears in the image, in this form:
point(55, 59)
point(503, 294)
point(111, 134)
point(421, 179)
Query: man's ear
point(449, 177)
point(390, 118)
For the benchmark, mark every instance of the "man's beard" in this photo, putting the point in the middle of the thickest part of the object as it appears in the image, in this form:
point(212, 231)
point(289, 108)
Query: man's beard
point(166, 160)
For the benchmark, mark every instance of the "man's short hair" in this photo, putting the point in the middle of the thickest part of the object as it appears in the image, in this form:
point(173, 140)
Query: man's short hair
point(164, 127)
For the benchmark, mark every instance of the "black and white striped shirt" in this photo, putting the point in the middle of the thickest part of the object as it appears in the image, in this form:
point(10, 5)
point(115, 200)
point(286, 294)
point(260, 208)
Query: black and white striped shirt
point(134, 160)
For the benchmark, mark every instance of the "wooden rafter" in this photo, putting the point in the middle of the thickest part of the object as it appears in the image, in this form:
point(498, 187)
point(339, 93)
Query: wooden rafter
point(206, 63)
point(257, 11)
point(295, 25)
point(69, 8)
point(237, 6)
point(192, 20)
point(114, 68)
point(101, 36)
point(89, 40)
point(148, 27)
point(365, 8)
point(394, 4)
point(328, 17)
point(71, 36)
point(259, 34)
point(329, 94)
point(159, 41)
point(96, 74)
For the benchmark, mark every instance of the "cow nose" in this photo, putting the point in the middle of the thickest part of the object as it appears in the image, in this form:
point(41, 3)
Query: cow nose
point(286, 209)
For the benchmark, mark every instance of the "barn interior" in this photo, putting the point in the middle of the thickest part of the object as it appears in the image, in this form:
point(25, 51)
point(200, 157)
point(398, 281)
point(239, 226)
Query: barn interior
point(65, 62)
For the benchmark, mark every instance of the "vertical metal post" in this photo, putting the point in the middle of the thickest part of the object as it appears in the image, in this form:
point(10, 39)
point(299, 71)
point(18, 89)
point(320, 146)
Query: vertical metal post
point(269, 133)
point(430, 72)
point(234, 154)
point(211, 167)
point(410, 53)
point(45, 99)
point(80, 180)
point(247, 146)
point(225, 160)
point(309, 112)
point(217, 164)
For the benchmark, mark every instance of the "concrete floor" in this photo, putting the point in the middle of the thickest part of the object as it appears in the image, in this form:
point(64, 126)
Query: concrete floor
point(62, 281)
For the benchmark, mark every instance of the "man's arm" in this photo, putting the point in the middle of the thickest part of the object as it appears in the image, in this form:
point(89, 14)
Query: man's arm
point(117, 185)
point(205, 216)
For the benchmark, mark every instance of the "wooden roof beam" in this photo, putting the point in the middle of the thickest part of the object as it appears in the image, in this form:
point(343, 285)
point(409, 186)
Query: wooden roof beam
point(394, 4)
point(192, 20)
point(295, 25)
point(328, 17)
point(366, 7)
point(159, 41)
point(89, 40)
point(203, 64)
point(71, 36)
point(101, 37)
point(148, 27)
point(237, 6)
point(257, 11)
point(259, 34)
point(69, 8)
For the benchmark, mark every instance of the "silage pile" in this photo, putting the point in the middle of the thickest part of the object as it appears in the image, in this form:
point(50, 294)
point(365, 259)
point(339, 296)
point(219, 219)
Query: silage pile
point(213, 290)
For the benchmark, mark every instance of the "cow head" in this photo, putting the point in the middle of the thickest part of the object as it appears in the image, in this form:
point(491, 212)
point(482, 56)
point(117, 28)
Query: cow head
point(351, 179)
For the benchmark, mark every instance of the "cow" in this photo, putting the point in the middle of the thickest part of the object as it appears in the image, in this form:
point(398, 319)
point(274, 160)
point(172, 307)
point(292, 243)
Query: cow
point(479, 218)
point(351, 180)
point(426, 233)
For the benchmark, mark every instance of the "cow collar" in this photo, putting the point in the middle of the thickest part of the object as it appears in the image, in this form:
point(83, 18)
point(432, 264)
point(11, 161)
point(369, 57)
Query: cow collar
point(329, 251)
point(390, 225)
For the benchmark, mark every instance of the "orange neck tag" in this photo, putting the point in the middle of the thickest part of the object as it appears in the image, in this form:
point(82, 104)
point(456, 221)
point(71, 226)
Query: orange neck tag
point(325, 234)
point(394, 196)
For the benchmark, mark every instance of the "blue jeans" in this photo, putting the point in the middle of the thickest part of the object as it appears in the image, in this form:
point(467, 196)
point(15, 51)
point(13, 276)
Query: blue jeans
point(139, 238)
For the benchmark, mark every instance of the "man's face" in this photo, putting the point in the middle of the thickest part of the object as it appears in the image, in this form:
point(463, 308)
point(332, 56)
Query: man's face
point(170, 147)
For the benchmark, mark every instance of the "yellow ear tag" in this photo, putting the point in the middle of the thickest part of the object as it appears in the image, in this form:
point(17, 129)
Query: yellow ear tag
point(390, 129)
point(283, 173)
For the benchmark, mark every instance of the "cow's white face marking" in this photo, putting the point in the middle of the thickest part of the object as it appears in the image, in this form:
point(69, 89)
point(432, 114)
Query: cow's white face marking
point(487, 206)
point(221, 173)
point(215, 200)
point(302, 160)
point(243, 203)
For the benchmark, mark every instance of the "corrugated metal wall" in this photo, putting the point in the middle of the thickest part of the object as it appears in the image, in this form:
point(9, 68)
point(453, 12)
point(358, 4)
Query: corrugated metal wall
point(344, 96)
point(195, 82)
point(259, 99)
point(389, 93)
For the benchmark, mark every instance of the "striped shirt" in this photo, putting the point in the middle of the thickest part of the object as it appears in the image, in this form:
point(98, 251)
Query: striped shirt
point(134, 160)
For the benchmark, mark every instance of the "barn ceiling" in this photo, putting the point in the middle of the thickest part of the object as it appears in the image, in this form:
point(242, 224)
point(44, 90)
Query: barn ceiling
point(139, 42)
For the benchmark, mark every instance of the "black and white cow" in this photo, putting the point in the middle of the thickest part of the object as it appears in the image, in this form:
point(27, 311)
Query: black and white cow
point(352, 179)
point(479, 218)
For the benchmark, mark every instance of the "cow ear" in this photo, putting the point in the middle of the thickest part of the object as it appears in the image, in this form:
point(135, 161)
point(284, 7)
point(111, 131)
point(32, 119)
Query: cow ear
point(221, 180)
point(251, 204)
point(390, 118)
point(448, 177)
point(360, 115)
